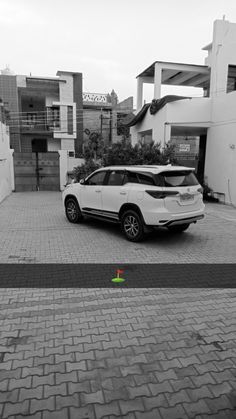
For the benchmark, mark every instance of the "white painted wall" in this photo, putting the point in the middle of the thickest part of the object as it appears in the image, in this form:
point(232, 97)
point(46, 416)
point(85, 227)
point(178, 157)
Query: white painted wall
point(6, 164)
point(67, 164)
point(220, 165)
point(53, 144)
point(186, 112)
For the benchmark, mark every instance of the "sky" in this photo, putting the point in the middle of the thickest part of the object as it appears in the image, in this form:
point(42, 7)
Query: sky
point(109, 41)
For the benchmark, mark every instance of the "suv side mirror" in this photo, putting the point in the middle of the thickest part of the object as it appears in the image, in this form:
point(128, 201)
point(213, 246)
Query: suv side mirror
point(82, 181)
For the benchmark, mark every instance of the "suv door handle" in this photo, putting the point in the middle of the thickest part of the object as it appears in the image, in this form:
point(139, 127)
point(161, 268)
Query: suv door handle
point(98, 190)
point(123, 193)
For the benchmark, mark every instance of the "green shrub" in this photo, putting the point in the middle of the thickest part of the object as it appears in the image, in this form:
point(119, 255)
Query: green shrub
point(83, 171)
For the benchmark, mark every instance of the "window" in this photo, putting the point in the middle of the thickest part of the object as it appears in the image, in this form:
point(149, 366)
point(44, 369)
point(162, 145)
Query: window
point(70, 119)
point(53, 117)
point(176, 178)
point(131, 177)
point(116, 178)
point(231, 80)
point(96, 179)
point(146, 179)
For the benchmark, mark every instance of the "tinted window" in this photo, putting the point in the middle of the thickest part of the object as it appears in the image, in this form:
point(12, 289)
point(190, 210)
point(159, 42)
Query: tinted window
point(176, 178)
point(131, 177)
point(146, 179)
point(96, 179)
point(116, 178)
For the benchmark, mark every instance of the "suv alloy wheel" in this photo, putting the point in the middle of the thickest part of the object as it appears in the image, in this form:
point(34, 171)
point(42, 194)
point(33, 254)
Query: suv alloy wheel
point(73, 211)
point(132, 226)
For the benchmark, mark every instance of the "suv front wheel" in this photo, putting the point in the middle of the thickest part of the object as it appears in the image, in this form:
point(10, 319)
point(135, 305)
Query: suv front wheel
point(132, 226)
point(73, 211)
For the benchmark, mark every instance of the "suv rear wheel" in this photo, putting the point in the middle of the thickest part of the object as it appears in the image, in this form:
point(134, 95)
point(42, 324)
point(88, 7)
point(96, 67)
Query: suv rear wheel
point(178, 228)
point(73, 211)
point(132, 226)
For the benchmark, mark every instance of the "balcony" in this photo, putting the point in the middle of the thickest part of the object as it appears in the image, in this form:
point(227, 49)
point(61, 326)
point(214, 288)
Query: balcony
point(38, 123)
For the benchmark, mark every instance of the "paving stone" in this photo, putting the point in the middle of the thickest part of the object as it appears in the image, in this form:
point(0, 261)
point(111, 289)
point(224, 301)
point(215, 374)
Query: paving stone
point(104, 410)
point(198, 408)
point(157, 388)
point(24, 382)
point(43, 380)
point(55, 390)
point(155, 402)
point(31, 393)
point(87, 398)
point(219, 389)
point(62, 414)
point(9, 396)
point(76, 387)
point(133, 369)
point(176, 412)
point(42, 404)
point(128, 406)
point(82, 412)
point(11, 409)
point(67, 401)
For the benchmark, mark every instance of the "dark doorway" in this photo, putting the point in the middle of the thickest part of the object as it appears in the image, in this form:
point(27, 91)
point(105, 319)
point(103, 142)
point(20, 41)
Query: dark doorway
point(201, 158)
point(39, 146)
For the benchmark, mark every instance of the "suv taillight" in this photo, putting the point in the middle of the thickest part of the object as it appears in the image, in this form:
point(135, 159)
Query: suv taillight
point(200, 190)
point(161, 194)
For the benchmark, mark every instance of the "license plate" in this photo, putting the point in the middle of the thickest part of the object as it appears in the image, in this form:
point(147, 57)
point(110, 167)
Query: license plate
point(186, 197)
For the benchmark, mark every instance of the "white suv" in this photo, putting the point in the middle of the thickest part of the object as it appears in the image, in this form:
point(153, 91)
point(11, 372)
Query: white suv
point(138, 197)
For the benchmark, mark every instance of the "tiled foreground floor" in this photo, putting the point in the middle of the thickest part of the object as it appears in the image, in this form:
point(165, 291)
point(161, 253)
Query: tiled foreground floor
point(113, 353)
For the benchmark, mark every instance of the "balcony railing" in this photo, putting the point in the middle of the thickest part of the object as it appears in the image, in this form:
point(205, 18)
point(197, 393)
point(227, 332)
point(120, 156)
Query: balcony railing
point(41, 124)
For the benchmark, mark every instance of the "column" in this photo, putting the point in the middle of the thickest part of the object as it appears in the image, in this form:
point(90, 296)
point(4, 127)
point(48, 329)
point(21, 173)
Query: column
point(139, 93)
point(157, 81)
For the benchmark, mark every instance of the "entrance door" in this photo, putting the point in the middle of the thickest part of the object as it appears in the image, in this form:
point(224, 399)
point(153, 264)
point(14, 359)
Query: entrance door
point(36, 171)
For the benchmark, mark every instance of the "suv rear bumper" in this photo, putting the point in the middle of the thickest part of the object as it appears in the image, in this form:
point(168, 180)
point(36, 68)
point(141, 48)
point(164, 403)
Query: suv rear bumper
point(184, 221)
point(165, 218)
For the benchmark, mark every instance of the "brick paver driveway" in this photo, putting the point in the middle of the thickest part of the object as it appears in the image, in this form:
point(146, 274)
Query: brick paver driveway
point(33, 228)
point(114, 353)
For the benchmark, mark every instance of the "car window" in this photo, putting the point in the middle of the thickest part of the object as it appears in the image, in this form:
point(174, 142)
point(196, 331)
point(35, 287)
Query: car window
point(146, 178)
point(96, 179)
point(131, 177)
point(177, 178)
point(116, 178)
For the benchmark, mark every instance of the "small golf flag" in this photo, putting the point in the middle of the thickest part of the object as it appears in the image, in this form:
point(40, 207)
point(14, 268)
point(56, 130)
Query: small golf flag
point(118, 279)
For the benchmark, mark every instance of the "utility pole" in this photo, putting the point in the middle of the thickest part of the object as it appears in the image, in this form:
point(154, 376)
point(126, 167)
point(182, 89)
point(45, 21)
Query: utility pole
point(110, 126)
point(101, 116)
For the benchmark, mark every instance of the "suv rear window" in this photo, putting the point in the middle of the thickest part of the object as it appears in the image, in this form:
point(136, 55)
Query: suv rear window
point(143, 178)
point(176, 178)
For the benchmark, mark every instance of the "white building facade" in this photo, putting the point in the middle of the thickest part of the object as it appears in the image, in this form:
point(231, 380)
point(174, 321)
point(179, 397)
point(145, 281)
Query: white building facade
point(210, 118)
point(6, 161)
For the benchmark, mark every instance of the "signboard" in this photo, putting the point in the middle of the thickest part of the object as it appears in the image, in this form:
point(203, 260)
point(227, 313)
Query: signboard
point(184, 148)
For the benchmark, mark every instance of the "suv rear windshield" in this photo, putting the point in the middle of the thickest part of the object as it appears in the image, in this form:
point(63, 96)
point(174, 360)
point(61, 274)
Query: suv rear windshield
point(176, 178)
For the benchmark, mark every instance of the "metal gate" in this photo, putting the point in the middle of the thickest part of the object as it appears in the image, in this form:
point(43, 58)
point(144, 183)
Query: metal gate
point(37, 171)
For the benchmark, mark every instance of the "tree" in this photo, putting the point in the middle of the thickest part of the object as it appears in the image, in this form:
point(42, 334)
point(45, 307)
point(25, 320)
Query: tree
point(94, 147)
point(125, 153)
point(122, 153)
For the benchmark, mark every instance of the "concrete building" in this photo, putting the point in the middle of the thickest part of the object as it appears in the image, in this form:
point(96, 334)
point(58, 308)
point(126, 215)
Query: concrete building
point(102, 113)
point(45, 112)
point(208, 121)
